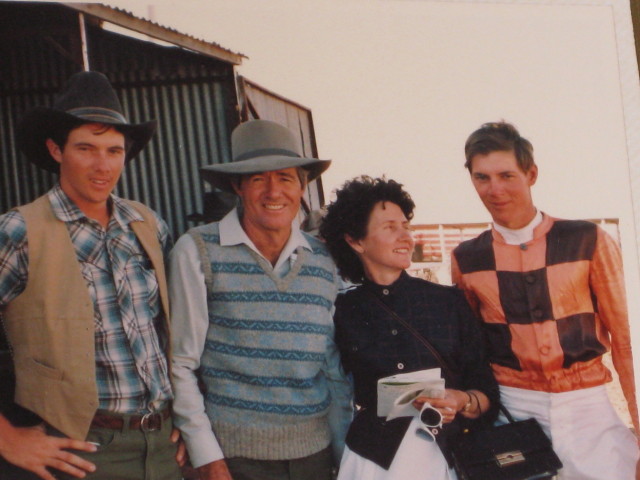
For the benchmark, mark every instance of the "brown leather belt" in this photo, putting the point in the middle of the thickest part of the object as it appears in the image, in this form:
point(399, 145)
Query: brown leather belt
point(147, 423)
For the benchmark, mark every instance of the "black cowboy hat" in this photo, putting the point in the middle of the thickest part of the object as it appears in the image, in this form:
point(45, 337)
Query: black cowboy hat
point(87, 98)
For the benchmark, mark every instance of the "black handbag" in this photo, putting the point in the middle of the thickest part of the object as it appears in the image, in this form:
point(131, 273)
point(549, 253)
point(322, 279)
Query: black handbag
point(518, 450)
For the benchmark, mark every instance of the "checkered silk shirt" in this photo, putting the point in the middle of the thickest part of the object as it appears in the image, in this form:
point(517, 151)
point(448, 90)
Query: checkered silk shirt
point(131, 367)
point(551, 307)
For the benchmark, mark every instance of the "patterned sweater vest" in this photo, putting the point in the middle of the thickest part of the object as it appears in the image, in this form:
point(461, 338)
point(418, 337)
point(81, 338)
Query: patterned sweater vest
point(266, 394)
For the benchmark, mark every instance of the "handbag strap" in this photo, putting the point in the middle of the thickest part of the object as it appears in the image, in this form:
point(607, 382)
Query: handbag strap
point(430, 347)
point(504, 410)
point(416, 334)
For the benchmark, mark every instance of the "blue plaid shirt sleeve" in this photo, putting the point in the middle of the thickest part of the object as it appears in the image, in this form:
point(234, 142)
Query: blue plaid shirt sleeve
point(14, 262)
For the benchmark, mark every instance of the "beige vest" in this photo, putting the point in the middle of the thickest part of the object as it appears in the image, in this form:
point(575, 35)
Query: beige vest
point(50, 325)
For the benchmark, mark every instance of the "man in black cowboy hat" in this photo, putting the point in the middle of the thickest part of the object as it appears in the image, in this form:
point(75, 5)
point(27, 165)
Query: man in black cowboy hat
point(252, 298)
point(84, 303)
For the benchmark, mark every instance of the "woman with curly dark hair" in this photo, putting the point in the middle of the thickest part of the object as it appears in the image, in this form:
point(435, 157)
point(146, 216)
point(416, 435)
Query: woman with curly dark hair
point(367, 230)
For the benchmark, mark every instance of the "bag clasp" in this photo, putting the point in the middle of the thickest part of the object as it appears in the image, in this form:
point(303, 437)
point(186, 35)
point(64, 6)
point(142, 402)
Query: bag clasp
point(509, 458)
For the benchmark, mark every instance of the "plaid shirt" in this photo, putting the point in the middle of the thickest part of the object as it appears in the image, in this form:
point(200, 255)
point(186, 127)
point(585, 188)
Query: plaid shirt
point(131, 367)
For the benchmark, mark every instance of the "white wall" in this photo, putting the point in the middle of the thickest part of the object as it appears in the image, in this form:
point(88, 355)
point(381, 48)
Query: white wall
point(396, 86)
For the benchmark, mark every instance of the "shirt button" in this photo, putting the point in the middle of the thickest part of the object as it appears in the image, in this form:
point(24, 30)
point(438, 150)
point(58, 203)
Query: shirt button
point(394, 332)
point(385, 291)
point(537, 313)
point(531, 278)
point(354, 348)
point(400, 366)
point(544, 350)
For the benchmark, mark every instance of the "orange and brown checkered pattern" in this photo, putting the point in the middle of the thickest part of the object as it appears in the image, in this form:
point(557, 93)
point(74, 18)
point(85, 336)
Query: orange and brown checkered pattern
point(551, 307)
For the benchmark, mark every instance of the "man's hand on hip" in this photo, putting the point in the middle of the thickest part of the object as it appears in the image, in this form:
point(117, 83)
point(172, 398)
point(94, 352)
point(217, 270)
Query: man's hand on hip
point(32, 449)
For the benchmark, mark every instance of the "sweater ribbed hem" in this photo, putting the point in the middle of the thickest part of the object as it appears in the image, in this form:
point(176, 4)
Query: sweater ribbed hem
point(273, 442)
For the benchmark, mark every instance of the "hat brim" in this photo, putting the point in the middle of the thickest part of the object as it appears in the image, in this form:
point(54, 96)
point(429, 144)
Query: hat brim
point(37, 125)
point(219, 175)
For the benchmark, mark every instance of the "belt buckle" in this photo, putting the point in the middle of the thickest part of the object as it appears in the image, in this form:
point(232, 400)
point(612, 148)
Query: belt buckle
point(148, 422)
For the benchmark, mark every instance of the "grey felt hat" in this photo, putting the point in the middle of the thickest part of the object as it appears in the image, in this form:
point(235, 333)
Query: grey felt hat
point(87, 98)
point(261, 146)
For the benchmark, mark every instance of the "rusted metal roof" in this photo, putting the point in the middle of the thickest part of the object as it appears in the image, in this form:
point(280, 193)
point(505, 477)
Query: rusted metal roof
point(128, 20)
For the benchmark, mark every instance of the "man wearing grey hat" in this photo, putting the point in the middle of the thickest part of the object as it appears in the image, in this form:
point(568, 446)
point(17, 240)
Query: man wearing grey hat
point(84, 303)
point(252, 298)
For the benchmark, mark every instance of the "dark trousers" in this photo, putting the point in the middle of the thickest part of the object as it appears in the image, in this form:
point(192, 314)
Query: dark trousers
point(318, 466)
point(132, 455)
point(122, 455)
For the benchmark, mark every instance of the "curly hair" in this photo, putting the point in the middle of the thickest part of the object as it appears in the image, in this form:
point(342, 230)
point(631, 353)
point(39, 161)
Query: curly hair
point(349, 215)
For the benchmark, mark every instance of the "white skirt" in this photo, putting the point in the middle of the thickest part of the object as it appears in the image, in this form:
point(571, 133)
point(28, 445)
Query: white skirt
point(416, 458)
point(586, 432)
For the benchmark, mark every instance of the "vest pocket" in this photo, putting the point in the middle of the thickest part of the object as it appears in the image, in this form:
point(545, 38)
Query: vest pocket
point(32, 366)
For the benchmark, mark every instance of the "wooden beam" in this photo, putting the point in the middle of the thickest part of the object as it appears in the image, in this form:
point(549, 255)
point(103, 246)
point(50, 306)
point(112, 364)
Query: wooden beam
point(145, 27)
point(635, 18)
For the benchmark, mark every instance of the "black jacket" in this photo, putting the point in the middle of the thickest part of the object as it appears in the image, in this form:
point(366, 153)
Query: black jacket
point(374, 345)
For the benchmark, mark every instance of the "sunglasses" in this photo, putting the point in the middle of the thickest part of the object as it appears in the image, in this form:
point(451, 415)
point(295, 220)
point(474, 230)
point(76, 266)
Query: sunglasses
point(431, 420)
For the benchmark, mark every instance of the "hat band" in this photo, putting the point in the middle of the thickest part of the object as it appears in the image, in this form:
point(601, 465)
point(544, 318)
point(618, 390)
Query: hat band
point(264, 152)
point(98, 114)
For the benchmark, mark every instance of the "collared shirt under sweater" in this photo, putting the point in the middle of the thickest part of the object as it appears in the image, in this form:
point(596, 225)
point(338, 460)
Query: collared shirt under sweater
point(196, 333)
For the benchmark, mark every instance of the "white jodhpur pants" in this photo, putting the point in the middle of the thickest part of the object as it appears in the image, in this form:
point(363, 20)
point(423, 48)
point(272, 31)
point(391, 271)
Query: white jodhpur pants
point(586, 432)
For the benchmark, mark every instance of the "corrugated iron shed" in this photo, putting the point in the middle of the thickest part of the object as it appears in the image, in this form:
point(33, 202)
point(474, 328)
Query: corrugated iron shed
point(189, 86)
point(192, 95)
point(131, 22)
point(259, 102)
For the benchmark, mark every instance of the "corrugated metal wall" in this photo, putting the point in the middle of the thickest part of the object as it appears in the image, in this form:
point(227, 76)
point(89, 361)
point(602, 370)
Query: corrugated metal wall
point(192, 132)
point(31, 69)
point(192, 97)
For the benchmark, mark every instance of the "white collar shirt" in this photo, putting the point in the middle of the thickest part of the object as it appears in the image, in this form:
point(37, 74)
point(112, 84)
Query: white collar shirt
point(232, 233)
point(522, 235)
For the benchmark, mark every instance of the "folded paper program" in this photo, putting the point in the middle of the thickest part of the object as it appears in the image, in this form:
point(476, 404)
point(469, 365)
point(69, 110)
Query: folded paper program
point(397, 392)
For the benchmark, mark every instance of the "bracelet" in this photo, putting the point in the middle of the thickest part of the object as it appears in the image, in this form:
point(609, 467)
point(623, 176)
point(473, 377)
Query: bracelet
point(467, 407)
point(479, 410)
